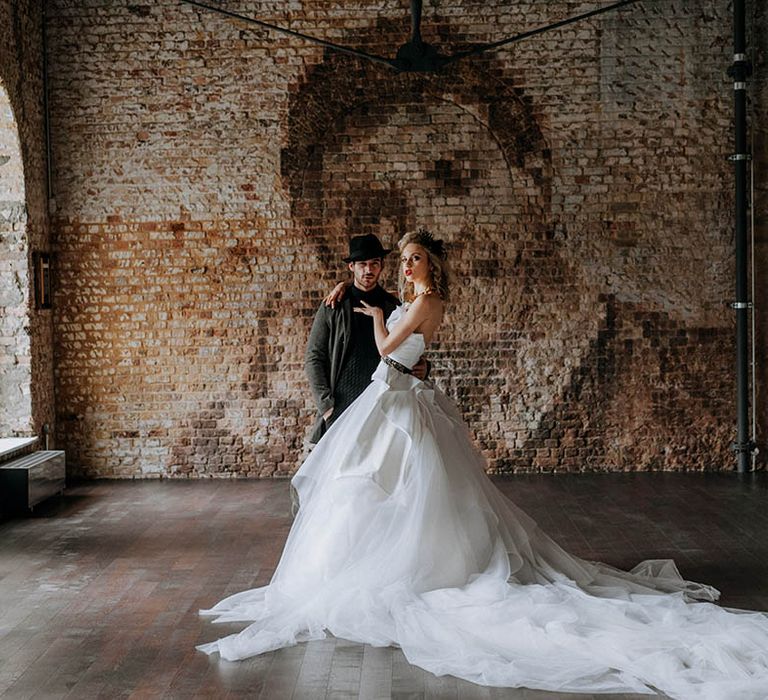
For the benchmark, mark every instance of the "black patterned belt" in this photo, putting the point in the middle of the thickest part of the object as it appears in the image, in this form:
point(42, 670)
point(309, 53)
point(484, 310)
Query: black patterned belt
point(396, 365)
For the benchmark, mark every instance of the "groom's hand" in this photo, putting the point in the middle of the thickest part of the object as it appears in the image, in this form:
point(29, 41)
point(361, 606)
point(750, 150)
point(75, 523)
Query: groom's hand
point(420, 369)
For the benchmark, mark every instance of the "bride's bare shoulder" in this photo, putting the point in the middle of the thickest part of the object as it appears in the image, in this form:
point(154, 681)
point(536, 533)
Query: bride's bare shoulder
point(429, 304)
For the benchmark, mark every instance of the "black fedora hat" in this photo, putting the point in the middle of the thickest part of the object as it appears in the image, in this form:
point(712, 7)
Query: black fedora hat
point(365, 247)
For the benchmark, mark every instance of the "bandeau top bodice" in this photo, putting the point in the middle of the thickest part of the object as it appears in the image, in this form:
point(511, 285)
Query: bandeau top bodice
point(412, 348)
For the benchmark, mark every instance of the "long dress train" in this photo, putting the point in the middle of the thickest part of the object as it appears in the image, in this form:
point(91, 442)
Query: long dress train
point(401, 539)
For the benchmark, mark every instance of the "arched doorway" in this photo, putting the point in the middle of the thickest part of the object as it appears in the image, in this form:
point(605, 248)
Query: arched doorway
point(15, 346)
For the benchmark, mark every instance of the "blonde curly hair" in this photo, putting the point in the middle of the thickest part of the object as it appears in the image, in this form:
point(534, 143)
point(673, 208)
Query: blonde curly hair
point(438, 264)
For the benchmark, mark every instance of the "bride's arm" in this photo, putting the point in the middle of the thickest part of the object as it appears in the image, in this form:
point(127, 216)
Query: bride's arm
point(336, 294)
point(421, 310)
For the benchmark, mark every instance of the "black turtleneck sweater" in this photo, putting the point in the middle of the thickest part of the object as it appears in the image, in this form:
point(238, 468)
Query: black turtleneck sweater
point(363, 355)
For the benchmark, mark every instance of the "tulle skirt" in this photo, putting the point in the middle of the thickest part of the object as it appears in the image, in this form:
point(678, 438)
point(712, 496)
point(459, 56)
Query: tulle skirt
point(401, 539)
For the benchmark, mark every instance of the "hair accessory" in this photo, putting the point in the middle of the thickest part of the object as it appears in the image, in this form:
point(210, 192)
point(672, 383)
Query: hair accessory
point(432, 244)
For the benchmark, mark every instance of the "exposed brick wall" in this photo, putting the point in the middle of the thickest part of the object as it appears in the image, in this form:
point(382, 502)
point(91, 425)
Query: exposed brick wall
point(26, 356)
point(207, 177)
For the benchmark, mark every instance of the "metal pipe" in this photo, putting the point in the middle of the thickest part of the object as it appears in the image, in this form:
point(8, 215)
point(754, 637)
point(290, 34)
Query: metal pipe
point(740, 71)
point(416, 21)
point(46, 113)
point(753, 310)
point(752, 276)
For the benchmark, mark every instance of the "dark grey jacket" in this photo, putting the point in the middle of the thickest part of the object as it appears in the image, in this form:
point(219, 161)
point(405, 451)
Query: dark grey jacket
point(329, 343)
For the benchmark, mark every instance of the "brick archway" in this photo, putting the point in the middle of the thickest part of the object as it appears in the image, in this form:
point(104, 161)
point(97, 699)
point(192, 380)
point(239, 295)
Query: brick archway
point(532, 336)
point(15, 348)
point(333, 94)
point(464, 154)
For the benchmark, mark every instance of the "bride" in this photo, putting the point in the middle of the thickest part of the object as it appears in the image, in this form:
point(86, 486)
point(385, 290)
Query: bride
point(401, 539)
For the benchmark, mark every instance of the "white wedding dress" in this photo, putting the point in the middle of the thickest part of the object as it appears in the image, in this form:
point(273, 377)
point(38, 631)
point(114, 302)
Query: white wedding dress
point(401, 539)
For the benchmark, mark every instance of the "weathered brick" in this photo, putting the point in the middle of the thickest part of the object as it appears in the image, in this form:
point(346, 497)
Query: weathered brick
point(207, 177)
point(26, 352)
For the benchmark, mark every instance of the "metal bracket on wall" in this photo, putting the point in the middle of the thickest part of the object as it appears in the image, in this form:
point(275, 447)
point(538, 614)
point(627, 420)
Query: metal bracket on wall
point(749, 447)
point(740, 304)
point(742, 64)
point(740, 156)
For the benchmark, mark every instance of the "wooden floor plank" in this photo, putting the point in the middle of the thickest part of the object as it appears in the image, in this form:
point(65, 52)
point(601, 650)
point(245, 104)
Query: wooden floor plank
point(346, 667)
point(440, 688)
point(376, 673)
point(315, 670)
point(280, 680)
point(408, 682)
point(470, 691)
point(100, 590)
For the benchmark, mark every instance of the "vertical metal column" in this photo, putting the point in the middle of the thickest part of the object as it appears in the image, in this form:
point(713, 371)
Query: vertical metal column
point(740, 71)
point(46, 111)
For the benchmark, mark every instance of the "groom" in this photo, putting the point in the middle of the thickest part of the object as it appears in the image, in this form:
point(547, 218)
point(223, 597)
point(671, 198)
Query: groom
point(341, 354)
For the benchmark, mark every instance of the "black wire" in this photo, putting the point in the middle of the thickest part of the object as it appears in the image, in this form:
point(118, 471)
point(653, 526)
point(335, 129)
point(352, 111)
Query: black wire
point(518, 37)
point(443, 60)
point(291, 32)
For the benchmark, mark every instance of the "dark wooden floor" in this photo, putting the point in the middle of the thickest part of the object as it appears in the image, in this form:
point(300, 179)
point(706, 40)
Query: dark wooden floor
point(99, 590)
